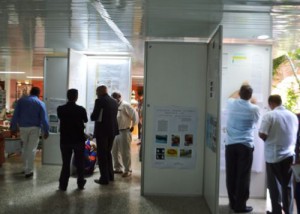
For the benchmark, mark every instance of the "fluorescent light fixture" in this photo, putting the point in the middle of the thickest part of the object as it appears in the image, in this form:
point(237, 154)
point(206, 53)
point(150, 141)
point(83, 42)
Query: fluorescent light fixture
point(101, 54)
point(263, 37)
point(137, 77)
point(104, 14)
point(12, 72)
point(35, 77)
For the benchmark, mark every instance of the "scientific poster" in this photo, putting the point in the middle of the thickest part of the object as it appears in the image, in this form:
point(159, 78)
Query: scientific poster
point(211, 132)
point(175, 137)
point(53, 103)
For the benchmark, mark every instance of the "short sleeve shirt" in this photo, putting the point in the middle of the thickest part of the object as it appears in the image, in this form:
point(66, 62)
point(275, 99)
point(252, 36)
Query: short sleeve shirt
point(280, 126)
point(242, 117)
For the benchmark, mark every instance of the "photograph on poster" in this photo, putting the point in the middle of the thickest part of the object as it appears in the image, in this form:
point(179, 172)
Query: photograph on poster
point(53, 129)
point(162, 126)
point(185, 153)
point(172, 153)
point(211, 132)
point(53, 118)
point(160, 153)
point(175, 140)
point(188, 139)
point(162, 139)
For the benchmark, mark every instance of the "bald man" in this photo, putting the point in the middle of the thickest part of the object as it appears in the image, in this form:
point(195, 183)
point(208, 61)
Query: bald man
point(106, 128)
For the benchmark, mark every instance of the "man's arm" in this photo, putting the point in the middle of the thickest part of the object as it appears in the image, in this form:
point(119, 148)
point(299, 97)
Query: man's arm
point(85, 119)
point(96, 110)
point(132, 114)
point(235, 95)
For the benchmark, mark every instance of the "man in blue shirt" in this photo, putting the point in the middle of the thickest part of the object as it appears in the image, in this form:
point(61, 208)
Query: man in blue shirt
point(30, 117)
point(242, 116)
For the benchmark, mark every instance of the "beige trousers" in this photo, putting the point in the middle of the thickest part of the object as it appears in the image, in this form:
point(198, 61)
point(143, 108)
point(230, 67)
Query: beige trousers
point(30, 138)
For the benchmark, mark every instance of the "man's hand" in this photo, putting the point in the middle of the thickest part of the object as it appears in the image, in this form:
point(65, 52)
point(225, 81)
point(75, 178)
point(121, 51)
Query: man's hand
point(131, 129)
point(14, 133)
point(46, 135)
point(263, 136)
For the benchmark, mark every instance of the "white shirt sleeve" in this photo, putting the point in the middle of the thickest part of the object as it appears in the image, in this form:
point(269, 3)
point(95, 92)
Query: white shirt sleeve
point(265, 124)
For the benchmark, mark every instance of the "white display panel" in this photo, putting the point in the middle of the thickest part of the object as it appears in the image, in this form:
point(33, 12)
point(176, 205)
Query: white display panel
point(212, 101)
point(78, 75)
point(175, 75)
point(55, 90)
point(252, 64)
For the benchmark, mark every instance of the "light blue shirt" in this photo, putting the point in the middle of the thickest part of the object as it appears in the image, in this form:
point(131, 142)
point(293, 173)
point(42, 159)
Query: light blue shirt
point(281, 126)
point(30, 112)
point(241, 119)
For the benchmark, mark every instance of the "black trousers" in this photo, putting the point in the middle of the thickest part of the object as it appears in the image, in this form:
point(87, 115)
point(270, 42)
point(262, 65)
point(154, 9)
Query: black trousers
point(280, 185)
point(104, 146)
point(66, 153)
point(239, 160)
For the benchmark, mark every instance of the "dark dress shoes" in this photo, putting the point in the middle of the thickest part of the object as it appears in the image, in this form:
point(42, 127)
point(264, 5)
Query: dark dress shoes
point(81, 186)
point(29, 175)
point(98, 181)
point(245, 210)
point(61, 188)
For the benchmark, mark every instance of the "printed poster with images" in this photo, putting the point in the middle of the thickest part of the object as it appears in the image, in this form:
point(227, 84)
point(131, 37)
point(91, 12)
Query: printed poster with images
point(175, 137)
point(211, 132)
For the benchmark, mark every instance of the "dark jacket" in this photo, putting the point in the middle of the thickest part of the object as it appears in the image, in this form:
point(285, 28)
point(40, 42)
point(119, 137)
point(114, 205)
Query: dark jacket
point(107, 109)
point(72, 118)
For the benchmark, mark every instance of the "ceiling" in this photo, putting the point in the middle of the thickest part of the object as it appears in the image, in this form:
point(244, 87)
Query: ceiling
point(33, 29)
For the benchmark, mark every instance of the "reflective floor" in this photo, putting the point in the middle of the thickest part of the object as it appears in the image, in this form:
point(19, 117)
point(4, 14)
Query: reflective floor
point(40, 194)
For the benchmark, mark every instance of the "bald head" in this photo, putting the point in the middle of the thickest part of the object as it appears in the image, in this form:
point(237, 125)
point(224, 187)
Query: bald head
point(101, 91)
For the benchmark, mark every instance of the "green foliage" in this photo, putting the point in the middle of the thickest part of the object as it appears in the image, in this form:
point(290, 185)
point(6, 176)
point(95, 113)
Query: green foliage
point(294, 55)
point(277, 62)
point(292, 95)
point(291, 99)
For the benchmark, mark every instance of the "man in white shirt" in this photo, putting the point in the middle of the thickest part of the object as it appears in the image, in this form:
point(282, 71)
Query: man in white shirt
point(127, 118)
point(279, 131)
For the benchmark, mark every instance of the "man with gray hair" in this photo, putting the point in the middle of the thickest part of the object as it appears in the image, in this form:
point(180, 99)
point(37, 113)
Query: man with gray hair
point(106, 128)
point(127, 118)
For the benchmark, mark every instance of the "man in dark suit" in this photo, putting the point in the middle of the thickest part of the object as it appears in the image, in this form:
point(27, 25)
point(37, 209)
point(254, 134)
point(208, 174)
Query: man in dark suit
point(106, 128)
point(72, 138)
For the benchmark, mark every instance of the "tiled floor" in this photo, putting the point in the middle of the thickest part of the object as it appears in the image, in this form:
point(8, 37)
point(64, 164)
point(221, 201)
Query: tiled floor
point(40, 194)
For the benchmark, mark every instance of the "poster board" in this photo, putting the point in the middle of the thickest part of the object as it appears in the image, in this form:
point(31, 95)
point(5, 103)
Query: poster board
point(77, 75)
point(175, 78)
point(212, 102)
point(55, 89)
point(251, 63)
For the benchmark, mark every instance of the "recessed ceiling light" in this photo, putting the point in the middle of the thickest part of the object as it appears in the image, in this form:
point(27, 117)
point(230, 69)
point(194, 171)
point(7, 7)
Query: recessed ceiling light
point(263, 37)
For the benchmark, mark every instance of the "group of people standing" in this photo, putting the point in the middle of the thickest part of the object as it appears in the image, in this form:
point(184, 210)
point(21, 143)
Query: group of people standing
point(114, 121)
point(278, 129)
